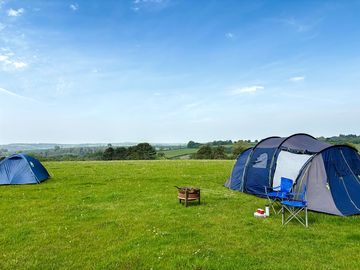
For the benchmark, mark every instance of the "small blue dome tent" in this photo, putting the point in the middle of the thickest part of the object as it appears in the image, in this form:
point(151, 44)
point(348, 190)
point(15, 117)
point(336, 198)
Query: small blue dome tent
point(330, 172)
point(22, 169)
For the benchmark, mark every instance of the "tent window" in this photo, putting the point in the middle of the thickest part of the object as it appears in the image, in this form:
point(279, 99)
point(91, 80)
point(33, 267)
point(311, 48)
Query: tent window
point(261, 161)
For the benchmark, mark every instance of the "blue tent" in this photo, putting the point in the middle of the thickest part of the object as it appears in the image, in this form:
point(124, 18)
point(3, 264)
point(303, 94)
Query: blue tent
point(330, 172)
point(22, 169)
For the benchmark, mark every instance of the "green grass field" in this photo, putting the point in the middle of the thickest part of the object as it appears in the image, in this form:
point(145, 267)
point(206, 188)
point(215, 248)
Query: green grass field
point(179, 152)
point(125, 215)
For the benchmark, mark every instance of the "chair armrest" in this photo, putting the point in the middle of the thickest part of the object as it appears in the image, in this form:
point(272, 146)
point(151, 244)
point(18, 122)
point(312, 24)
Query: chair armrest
point(292, 195)
point(270, 188)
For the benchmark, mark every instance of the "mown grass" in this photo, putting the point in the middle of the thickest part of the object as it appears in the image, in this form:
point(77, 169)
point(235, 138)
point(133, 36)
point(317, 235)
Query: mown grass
point(179, 152)
point(125, 215)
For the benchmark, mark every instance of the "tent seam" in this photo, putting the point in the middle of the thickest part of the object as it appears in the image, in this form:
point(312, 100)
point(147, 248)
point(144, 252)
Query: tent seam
point(344, 182)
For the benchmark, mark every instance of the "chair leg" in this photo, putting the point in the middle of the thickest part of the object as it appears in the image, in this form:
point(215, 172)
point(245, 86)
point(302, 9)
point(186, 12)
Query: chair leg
point(282, 214)
point(278, 203)
point(294, 213)
point(306, 217)
point(272, 203)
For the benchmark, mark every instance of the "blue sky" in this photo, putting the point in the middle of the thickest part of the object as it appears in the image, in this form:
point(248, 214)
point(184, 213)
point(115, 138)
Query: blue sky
point(172, 70)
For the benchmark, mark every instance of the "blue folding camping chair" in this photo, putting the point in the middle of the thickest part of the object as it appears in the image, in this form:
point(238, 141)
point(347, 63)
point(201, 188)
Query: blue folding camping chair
point(295, 206)
point(277, 194)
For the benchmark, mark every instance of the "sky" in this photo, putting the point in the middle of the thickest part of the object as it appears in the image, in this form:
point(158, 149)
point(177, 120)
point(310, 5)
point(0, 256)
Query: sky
point(177, 70)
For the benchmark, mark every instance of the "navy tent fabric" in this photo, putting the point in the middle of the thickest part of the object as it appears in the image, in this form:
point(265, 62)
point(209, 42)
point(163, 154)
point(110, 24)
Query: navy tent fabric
point(22, 169)
point(333, 172)
point(344, 182)
point(234, 182)
point(304, 143)
point(258, 170)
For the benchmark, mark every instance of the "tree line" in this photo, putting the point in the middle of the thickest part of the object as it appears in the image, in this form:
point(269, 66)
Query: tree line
point(208, 151)
point(192, 144)
point(221, 149)
point(142, 151)
point(342, 139)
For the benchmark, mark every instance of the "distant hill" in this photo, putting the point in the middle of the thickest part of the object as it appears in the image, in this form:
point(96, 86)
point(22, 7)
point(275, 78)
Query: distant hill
point(342, 139)
point(90, 151)
point(35, 147)
point(16, 147)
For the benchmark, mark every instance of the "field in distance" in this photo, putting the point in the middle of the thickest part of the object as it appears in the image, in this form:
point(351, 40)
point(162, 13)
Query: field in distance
point(125, 215)
point(178, 153)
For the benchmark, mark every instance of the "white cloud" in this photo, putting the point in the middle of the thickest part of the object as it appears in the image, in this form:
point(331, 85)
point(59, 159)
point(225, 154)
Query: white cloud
point(4, 58)
point(19, 64)
point(302, 26)
point(299, 27)
point(10, 93)
point(15, 12)
point(247, 89)
point(157, 4)
point(74, 7)
point(148, 1)
point(8, 62)
point(297, 79)
point(230, 35)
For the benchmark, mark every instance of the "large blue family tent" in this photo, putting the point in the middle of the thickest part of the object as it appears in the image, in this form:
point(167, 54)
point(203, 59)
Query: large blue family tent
point(331, 173)
point(22, 169)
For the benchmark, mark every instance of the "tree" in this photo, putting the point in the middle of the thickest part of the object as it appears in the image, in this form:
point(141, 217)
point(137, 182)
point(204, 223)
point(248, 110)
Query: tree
point(219, 153)
point(145, 151)
point(131, 153)
point(192, 144)
point(3, 151)
point(205, 152)
point(108, 153)
point(120, 153)
point(239, 147)
point(220, 142)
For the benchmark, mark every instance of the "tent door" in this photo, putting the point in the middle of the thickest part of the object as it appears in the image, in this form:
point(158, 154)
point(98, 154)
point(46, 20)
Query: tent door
point(289, 165)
